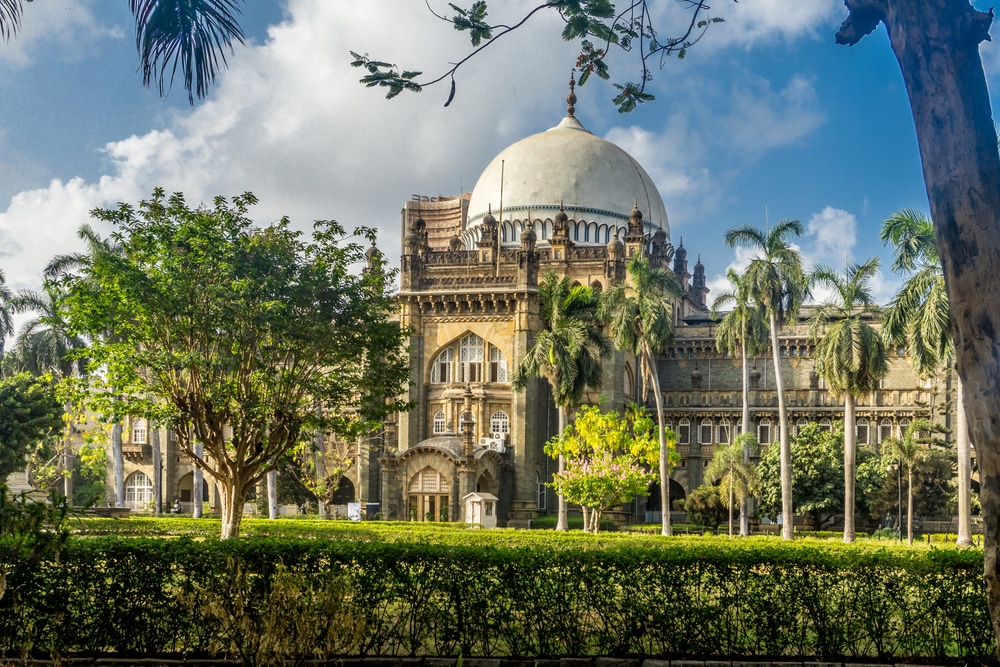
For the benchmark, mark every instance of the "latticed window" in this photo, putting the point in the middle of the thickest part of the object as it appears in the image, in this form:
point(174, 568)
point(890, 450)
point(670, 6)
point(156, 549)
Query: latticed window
point(139, 432)
point(884, 429)
point(684, 432)
point(801, 424)
point(764, 431)
point(470, 359)
point(499, 422)
point(863, 431)
point(138, 490)
point(903, 424)
point(705, 436)
point(498, 365)
point(725, 433)
point(824, 425)
point(441, 369)
point(439, 422)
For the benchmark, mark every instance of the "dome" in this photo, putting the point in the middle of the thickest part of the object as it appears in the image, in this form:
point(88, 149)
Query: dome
point(593, 179)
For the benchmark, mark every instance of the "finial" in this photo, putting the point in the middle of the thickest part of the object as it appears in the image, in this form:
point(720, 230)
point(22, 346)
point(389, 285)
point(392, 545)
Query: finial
point(571, 98)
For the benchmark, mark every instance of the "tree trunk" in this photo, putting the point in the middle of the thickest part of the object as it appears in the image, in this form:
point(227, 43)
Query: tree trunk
point(198, 483)
point(232, 508)
point(850, 467)
point(937, 45)
point(320, 478)
point(562, 520)
point(787, 524)
point(118, 464)
point(745, 505)
point(154, 443)
point(732, 501)
point(964, 472)
point(665, 527)
point(272, 494)
point(909, 506)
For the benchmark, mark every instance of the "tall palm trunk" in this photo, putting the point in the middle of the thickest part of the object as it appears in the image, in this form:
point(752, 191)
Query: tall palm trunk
point(732, 501)
point(562, 520)
point(786, 448)
point(964, 472)
point(666, 528)
point(118, 464)
point(154, 439)
point(745, 505)
point(850, 459)
point(909, 506)
point(272, 494)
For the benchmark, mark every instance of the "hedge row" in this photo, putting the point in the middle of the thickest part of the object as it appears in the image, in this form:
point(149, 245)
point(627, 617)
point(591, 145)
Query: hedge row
point(288, 598)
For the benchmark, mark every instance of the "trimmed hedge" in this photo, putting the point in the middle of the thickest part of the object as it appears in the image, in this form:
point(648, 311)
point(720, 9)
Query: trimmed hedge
point(509, 595)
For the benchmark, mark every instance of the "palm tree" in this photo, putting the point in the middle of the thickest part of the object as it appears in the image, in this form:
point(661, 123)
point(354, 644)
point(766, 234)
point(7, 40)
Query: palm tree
point(775, 280)
point(850, 355)
point(639, 313)
point(186, 36)
point(6, 312)
point(908, 451)
point(730, 467)
point(567, 352)
point(919, 318)
point(44, 342)
point(743, 329)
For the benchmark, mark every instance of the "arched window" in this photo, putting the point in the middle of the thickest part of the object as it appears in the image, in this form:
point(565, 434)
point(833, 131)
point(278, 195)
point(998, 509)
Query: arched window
point(499, 422)
point(764, 431)
point(684, 432)
point(725, 432)
point(903, 424)
point(470, 359)
point(138, 490)
point(800, 424)
point(139, 432)
point(629, 382)
point(498, 365)
point(441, 369)
point(863, 431)
point(884, 429)
point(439, 423)
point(824, 425)
point(705, 435)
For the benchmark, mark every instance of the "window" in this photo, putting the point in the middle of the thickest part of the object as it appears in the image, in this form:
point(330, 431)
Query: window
point(764, 431)
point(139, 432)
point(724, 432)
point(498, 365)
point(705, 436)
point(470, 359)
point(541, 495)
point(903, 424)
point(863, 431)
point(884, 429)
point(800, 424)
point(499, 422)
point(684, 432)
point(138, 490)
point(439, 423)
point(824, 425)
point(441, 370)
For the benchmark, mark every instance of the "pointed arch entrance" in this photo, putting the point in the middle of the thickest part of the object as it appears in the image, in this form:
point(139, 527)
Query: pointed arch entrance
point(428, 496)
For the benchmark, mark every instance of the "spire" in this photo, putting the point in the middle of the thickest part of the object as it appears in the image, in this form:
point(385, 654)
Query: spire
point(571, 98)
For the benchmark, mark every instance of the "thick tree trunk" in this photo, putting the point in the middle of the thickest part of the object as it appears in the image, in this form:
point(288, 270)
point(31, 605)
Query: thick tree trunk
point(745, 506)
point(154, 443)
point(788, 517)
point(665, 526)
point(272, 494)
point(562, 520)
point(964, 472)
point(937, 45)
point(197, 484)
point(232, 509)
point(118, 464)
point(850, 467)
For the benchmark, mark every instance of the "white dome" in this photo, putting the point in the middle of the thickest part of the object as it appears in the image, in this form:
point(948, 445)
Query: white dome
point(594, 180)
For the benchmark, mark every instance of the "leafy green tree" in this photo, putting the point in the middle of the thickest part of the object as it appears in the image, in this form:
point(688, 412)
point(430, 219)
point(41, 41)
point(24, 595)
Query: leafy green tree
point(29, 414)
point(818, 476)
point(231, 334)
point(742, 330)
point(610, 459)
point(919, 318)
point(639, 314)
point(850, 355)
point(190, 37)
point(704, 506)
point(908, 451)
point(44, 342)
point(567, 352)
point(775, 280)
point(736, 476)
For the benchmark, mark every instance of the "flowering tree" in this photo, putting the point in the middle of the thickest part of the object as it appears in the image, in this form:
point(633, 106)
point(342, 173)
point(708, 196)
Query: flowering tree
point(610, 459)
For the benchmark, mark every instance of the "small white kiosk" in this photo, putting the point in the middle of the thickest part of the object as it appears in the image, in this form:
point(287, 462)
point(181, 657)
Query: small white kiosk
point(481, 509)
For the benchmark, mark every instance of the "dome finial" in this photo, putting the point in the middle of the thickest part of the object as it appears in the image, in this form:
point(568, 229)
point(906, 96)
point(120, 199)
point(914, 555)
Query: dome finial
point(571, 98)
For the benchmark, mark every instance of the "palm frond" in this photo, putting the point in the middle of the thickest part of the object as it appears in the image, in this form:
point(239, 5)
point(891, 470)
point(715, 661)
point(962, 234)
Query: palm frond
point(10, 17)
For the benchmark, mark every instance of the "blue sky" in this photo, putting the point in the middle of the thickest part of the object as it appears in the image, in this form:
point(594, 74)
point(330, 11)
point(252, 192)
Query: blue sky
point(765, 111)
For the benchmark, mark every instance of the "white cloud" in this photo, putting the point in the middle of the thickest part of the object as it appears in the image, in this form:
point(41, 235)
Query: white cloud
point(68, 27)
point(764, 21)
point(762, 118)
